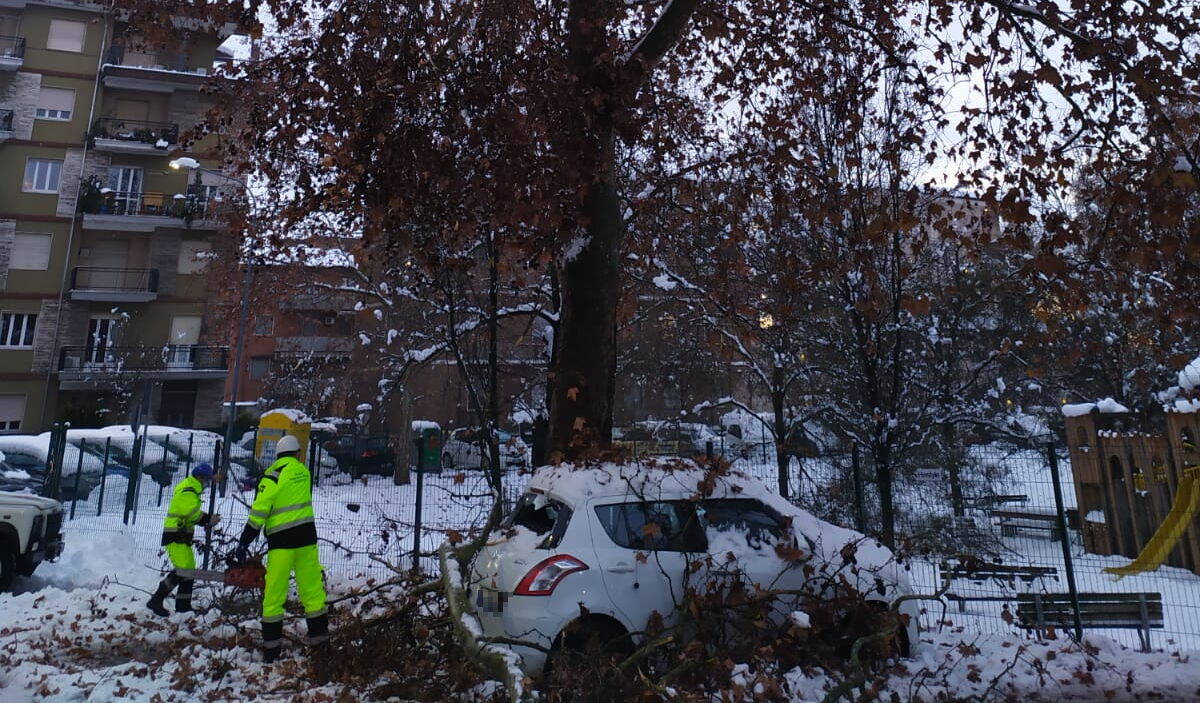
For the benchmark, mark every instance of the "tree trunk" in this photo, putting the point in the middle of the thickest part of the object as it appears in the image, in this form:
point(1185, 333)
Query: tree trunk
point(954, 466)
point(493, 423)
point(887, 512)
point(781, 433)
point(581, 404)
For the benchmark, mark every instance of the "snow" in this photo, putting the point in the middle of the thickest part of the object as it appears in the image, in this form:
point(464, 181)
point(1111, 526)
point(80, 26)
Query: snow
point(1106, 406)
point(1189, 377)
point(664, 282)
point(298, 417)
point(17, 475)
point(1096, 516)
point(420, 425)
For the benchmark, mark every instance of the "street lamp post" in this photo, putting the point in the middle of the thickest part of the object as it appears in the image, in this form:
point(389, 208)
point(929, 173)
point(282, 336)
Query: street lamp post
point(191, 164)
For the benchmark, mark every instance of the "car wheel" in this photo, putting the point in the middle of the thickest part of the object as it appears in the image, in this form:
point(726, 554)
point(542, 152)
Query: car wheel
point(585, 642)
point(447, 461)
point(8, 566)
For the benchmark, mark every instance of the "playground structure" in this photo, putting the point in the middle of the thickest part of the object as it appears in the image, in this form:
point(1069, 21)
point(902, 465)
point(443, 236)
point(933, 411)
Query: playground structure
point(1138, 491)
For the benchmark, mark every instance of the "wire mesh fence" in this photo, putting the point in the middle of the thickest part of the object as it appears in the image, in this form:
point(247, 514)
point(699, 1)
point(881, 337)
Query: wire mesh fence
point(985, 526)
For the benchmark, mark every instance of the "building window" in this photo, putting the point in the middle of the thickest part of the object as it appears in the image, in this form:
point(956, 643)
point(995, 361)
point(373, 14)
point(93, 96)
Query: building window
point(55, 104)
point(42, 175)
point(264, 325)
point(66, 35)
point(12, 411)
point(308, 327)
point(16, 329)
point(260, 366)
point(194, 256)
point(31, 251)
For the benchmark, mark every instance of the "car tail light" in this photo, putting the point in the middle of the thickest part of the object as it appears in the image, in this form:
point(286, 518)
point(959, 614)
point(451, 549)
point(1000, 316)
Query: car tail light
point(543, 578)
point(369, 453)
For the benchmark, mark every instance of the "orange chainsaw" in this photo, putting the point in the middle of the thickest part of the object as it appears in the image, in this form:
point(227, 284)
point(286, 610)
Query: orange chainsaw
point(249, 574)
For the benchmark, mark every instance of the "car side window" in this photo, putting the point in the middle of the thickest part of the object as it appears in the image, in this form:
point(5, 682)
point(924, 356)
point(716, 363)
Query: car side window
point(668, 526)
point(747, 515)
point(22, 461)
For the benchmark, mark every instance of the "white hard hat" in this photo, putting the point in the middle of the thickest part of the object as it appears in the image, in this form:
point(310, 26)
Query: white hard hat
point(288, 444)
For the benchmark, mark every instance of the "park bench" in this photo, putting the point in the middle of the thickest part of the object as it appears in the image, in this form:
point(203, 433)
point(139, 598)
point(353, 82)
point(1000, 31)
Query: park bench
point(1013, 520)
point(1001, 574)
point(1131, 611)
point(993, 501)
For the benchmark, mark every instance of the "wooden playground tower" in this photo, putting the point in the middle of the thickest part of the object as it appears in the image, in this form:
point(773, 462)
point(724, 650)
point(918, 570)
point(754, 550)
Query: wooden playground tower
point(1135, 478)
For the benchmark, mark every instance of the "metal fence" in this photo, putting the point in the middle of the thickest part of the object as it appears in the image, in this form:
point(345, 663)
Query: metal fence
point(1004, 541)
point(992, 527)
point(372, 517)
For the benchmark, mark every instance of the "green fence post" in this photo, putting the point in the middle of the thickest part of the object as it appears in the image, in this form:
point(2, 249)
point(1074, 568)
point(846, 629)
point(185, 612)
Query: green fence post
point(103, 476)
point(78, 474)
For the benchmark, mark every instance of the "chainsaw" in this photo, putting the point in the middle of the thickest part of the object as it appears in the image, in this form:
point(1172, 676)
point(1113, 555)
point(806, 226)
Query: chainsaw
point(249, 574)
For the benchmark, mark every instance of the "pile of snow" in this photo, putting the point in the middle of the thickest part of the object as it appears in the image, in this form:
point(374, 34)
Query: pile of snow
point(1189, 377)
point(420, 425)
point(1108, 406)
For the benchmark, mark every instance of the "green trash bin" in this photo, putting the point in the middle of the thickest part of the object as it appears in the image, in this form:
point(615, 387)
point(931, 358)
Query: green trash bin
point(427, 446)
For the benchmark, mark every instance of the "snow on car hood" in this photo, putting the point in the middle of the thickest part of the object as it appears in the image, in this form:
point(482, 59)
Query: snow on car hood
point(872, 563)
point(27, 500)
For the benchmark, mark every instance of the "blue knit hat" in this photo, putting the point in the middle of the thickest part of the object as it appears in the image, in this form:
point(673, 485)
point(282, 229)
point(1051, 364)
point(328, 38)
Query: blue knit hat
point(203, 471)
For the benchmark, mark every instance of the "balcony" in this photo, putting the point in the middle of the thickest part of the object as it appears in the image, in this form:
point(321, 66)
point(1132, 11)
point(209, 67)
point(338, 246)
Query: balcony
point(317, 346)
point(6, 124)
point(12, 53)
point(114, 285)
point(116, 135)
point(127, 211)
point(161, 72)
point(81, 368)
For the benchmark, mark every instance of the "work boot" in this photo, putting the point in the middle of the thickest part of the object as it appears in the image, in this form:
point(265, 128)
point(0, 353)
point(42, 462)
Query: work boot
point(156, 602)
point(318, 629)
point(183, 597)
point(272, 636)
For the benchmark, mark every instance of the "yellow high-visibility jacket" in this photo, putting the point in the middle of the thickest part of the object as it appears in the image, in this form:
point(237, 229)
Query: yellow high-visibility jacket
point(183, 512)
point(282, 507)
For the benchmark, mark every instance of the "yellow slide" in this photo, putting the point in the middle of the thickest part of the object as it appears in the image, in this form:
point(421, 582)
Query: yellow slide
point(1187, 500)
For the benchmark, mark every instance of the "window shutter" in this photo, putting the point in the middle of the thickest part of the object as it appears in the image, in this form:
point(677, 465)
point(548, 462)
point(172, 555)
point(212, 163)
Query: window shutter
point(56, 98)
point(31, 251)
point(66, 35)
point(12, 410)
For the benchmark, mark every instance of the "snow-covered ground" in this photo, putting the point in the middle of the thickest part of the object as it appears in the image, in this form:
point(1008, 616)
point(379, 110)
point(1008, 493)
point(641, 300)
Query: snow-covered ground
point(78, 629)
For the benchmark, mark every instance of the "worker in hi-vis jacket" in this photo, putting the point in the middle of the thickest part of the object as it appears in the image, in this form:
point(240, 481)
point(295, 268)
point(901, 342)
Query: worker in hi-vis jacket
point(283, 512)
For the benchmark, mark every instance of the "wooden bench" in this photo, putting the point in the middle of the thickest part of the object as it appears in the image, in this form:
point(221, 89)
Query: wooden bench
point(1013, 520)
point(1130, 611)
point(1002, 574)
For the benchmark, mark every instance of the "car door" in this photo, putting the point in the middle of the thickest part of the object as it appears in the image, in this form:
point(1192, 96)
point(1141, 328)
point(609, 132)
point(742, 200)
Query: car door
point(749, 541)
point(644, 549)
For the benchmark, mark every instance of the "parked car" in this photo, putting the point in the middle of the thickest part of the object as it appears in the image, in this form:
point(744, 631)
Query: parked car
point(670, 438)
point(362, 456)
point(30, 453)
point(18, 480)
point(30, 533)
point(572, 557)
point(464, 448)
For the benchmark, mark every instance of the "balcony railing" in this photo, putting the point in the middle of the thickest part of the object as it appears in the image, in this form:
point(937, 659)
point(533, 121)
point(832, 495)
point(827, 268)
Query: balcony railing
point(119, 55)
point(115, 280)
point(112, 202)
point(181, 358)
point(159, 134)
point(6, 117)
point(12, 47)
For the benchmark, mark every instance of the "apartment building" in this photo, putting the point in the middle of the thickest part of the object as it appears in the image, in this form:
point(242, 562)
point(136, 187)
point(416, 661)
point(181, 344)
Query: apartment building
point(102, 245)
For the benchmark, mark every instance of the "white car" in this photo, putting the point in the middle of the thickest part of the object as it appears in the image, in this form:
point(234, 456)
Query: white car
point(576, 553)
point(463, 449)
point(30, 533)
